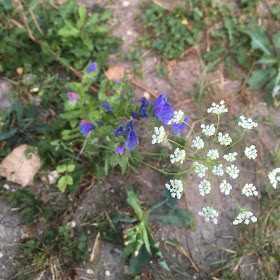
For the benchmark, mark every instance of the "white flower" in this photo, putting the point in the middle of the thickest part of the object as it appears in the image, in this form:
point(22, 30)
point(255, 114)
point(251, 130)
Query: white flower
point(208, 130)
point(251, 152)
point(232, 171)
point(159, 135)
point(178, 156)
point(218, 170)
point(198, 143)
point(218, 109)
point(225, 187)
point(175, 187)
point(208, 213)
point(247, 124)
point(213, 154)
point(204, 187)
point(249, 189)
point(230, 156)
point(178, 117)
point(273, 178)
point(244, 216)
point(200, 169)
point(224, 140)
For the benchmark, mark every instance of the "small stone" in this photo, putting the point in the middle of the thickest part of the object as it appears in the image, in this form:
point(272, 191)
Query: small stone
point(89, 271)
point(107, 273)
point(19, 70)
point(52, 177)
point(129, 32)
point(1, 255)
point(73, 224)
point(147, 95)
point(125, 3)
point(6, 186)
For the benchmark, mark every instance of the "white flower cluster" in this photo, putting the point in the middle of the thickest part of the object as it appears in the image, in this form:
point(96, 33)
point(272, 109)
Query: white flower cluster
point(224, 140)
point(208, 130)
point(247, 124)
point(213, 154)
point(249, 189)
point(204, 187)
point(251, 152)
point(244, 216)
point(200, 169)
point(232, 171)
point(225, 187)
point(230, 156)
point(178, 117)
point(273, 177)
point(218, 170)
point(178, 156)
point(218, 109)
point(208, 213)
point(198, 143)
point(175, 187)
point(159, 135)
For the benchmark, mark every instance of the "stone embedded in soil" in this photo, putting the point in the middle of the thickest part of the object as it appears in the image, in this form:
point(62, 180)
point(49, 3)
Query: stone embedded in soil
point(5, 88)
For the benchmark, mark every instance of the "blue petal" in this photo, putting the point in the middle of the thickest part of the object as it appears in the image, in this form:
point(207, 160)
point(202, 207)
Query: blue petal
point(92, 67)
point(164, 113)
point(160, 100)
point(179, 126)
point(131, 140)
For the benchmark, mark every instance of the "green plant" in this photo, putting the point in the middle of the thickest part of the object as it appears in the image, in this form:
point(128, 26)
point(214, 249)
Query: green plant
point(32, 206)
point(269, 76)
point(65, 179)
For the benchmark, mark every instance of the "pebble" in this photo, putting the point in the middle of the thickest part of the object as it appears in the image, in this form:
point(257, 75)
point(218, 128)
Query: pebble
point(125, 3)
point(6, 186)
point(147, 95)
point(1, 255)
point(89, 271)
point(129, 32)
point(107, 273)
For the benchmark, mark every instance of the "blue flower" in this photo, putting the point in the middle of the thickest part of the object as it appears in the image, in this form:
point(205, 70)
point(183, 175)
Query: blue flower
point(72, 96)
point(86, 127)
point(144, 102)
point(107, 106)
point(117, 81)
point(179, 126)
point(163, 110)
point(130, 125)
point(160, 101)
point(100, 123)
point(92, 67)
point(120, 149)
point(135, 116)
point(131, 140)
point(144, 113)
point(119, 131)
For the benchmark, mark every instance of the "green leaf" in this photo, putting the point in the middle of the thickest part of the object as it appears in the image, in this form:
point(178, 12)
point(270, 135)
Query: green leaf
point(138, 262)
point(276, 39)
point(133, 201)
point(70, 167)
point(176, 217)
point(62, 184)
point(82, 16)
point(259, 41)
point(61, 168)
point(258, 78)
point(268, 60)
point(129, 249)
point(118, 217)
point(9, 134)
point(146, 239)
point(68, 179)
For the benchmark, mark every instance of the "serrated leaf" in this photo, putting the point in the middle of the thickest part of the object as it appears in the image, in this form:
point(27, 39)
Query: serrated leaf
point(133, 201)
point(259, 78)
point(82, 16)
point(259, 41)
point(176, 217)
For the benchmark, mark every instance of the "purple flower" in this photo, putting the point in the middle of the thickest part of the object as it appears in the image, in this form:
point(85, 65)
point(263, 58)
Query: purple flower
point(179, 126)
point(72, 96)
point(119, 131)
point(144, 102)
point(92, 67)
point(100, 123)
point(135, 116)
point(130, 125)
point(117, 81)
point(86, 127)
point(120, 149)
point(144, 113)
point(131, 140)
point(107, 106)
point(160, 101)
point(163, 110)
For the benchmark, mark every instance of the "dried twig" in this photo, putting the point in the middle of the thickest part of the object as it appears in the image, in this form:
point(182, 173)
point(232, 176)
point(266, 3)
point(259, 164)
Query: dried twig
point(95, 245)
point(144, 88)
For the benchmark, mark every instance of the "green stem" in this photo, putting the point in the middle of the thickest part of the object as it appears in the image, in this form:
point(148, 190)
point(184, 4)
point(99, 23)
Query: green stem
point(152, 154)
point(180, 145)
point(216, 131)
point(234, 142)
point(190, 128)
point(235, 201)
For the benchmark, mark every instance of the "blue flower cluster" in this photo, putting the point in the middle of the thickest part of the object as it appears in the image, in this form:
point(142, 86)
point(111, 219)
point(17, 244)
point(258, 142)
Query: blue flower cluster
point(164, 112)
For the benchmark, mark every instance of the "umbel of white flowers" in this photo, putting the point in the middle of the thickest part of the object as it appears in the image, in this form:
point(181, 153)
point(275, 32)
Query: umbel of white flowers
point(210, 160)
